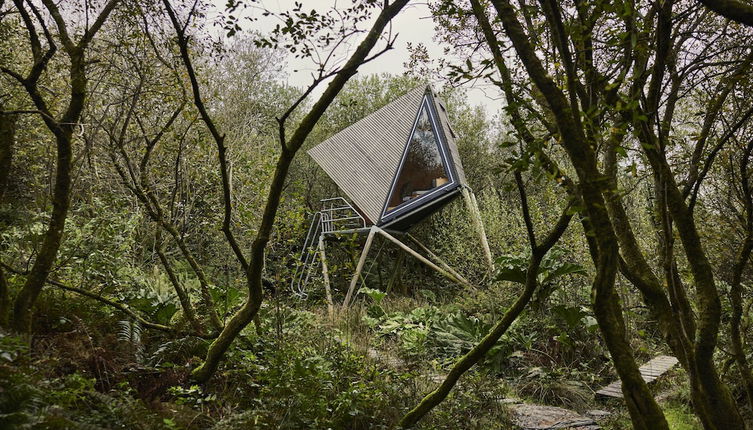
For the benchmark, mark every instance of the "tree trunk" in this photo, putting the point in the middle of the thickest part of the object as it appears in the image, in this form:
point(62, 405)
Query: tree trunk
point(718, 405)
point(63, 130)
point(61, 193)
point(7, 141)
point(644, 411)
point(478, 352)
point(183, 298)
point(207, 303)
point(736, 287)
point(254, 277)
point(26, 298)
point(737, 311)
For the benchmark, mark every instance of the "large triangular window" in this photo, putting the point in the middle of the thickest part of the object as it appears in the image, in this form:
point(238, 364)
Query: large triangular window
point(424, 168)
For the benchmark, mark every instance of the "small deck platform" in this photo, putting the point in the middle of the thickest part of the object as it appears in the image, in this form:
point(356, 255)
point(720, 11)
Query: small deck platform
point(649, 371)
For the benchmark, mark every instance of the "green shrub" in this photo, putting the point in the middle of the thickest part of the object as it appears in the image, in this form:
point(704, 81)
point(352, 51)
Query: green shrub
point(313, 383)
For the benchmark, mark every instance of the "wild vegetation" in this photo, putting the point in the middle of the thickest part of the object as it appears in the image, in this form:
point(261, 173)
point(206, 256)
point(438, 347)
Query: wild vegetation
point(155, 193)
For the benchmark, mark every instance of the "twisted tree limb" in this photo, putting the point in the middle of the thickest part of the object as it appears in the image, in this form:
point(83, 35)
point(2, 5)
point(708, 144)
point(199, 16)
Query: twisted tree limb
point(733, 9)
point(477, 353)
point(253, 265)
point(113, 304)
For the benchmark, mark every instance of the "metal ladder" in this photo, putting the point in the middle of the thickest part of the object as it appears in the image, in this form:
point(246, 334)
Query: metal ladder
point(336, 215)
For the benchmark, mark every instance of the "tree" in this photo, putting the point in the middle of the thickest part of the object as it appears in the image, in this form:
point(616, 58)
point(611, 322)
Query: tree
point(591, 97)
point(253, 266)
point(7, 143)
point(43, 48)
point(538, 252)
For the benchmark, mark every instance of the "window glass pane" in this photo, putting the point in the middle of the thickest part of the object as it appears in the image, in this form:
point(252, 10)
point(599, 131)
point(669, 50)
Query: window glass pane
point(423, 169)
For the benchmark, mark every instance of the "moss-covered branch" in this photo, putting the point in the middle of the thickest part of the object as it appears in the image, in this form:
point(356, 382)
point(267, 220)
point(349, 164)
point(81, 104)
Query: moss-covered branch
point(477, 353)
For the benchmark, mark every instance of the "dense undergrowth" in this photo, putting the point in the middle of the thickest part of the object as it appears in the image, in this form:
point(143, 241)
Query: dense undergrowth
point(90, 366)
point(302, 369)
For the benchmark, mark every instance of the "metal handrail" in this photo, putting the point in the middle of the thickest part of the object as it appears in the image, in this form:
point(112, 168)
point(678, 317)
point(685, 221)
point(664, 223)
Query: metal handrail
point(331, 220)
point(307, 258)
point(338, 208)
point(327, 220)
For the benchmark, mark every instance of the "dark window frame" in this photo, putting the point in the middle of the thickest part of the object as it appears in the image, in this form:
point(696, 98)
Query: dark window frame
point(428, 102)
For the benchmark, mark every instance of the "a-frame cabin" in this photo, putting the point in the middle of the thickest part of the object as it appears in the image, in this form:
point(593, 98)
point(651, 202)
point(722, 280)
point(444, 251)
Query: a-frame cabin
point(399, 164)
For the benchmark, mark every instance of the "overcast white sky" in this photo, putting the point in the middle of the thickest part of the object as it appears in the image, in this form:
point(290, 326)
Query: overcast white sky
point(414, 24)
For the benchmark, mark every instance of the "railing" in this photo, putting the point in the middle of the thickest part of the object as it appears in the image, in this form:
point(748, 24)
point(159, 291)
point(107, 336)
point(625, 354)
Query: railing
point(336, 215)
point(308, 257)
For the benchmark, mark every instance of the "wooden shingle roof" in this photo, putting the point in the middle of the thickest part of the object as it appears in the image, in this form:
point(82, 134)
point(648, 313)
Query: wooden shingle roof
point(364, 157)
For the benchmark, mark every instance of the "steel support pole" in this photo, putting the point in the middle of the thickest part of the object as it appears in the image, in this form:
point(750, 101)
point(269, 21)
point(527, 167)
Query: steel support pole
point(421, 258)
point(325, 274)
point(472, 205)
point(359, 267)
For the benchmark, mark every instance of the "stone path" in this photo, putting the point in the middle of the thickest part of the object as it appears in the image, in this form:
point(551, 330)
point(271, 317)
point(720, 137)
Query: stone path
point(523, 416)
point(538, 417)
point(649, 371)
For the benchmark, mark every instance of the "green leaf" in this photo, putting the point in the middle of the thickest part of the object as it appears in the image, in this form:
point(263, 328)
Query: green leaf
point(512, 274)
point(428, 295)
point(376, 295)
point(572, 315)
point(511, 268)
point(165, 314)
point(562, 270)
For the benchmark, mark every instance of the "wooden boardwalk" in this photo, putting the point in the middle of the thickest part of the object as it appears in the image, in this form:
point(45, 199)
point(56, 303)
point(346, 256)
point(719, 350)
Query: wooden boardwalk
point(649, 371)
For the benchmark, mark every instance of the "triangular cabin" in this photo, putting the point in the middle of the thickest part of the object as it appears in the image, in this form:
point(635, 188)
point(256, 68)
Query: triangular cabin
point(399, 164)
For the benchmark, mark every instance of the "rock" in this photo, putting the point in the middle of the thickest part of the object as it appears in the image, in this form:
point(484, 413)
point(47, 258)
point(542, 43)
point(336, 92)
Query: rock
point(385, 358)
point(437, 378)
point(537, 417)
point(510, 401)
point(598, 414)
